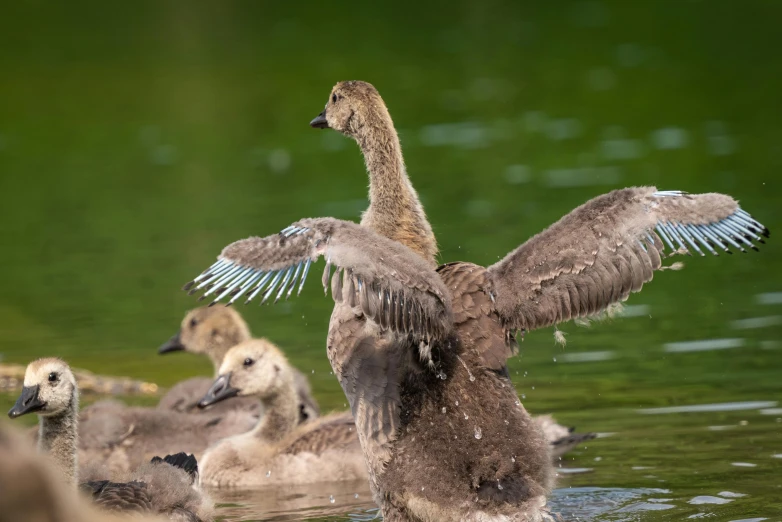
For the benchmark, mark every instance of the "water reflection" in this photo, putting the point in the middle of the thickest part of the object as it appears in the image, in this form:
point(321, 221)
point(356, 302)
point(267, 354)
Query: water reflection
point(708, 499)
point(769, 298)
point(293, 502)
point(725, 406)
point(573, 503)
point(756, 322)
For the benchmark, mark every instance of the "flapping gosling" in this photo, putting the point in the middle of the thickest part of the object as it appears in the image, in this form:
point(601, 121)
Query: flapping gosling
point(278, 450)
point(420, 353)
point(212, 331)
point(395, 210)
point(163, 486)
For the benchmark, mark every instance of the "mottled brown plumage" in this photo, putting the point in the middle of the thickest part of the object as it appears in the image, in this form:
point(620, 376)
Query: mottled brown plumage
point(419, 384)
point(124, 437)
point(607, 248)
point(212, 331)
point(391, 284)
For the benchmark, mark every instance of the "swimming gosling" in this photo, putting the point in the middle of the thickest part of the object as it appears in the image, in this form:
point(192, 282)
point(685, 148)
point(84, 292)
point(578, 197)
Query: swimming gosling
point(278, 450)
point(163, 486)
point(212, 331)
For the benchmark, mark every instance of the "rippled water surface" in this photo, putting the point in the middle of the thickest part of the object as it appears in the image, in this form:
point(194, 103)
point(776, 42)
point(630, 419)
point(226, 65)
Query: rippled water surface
point(138, 139)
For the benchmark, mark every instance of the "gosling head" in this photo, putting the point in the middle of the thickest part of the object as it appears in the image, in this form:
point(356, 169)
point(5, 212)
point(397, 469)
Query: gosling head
point(253, 368)
point(49, 387)
point(210, 331)
point(350, 108)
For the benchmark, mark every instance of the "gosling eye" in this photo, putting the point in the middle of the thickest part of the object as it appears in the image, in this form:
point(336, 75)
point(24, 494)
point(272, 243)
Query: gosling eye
point(333, 98)
point(248, 362)
point(53, 377)
point(193, 322)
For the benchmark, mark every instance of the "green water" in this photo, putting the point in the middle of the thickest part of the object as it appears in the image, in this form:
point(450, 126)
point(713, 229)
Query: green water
point(137, 139)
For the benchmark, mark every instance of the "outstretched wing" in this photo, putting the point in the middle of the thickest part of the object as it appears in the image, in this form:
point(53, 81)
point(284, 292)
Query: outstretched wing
point(609, 247)
point(393, 286)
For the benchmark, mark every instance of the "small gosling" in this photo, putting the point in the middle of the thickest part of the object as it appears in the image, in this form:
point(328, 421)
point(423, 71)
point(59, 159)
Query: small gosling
point(163, 486)
point(212, 331)
point(278, 450)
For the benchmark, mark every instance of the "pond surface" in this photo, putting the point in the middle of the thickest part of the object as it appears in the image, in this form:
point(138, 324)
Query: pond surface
point(136, 140)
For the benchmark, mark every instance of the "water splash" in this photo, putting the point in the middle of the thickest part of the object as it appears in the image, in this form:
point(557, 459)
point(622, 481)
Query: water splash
point(472, 377)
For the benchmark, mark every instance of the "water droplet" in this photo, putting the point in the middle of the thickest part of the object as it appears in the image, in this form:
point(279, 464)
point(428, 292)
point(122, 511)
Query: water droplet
point(506, 422)
point(444, 410)
point(472, 378)
point(499, 486)
point(525, 374)
point(422, 488)
point(518, 403)
point(355, 496)
point(268, 473)
point(332, 499)
point(555, 359)
point(478, 433)
point(466, 417)
point(533, 387)
point(313, 372)
point(457, 403)
point(513, 459)
point(523, 396)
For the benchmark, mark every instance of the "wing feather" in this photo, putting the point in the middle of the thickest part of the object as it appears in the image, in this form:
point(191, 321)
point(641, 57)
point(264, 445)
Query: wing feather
point(609, 247)
point(381, 276)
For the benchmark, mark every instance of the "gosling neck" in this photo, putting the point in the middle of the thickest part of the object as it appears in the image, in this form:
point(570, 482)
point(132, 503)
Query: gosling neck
point(394, 208)
point(280, 416)
point(58, 436)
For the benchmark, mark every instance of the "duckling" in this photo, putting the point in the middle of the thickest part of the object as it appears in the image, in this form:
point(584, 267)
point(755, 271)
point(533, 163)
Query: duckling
point(32, 491)
point(164, 486)
point(278, 450)
point(420, 352)
point(211, 332)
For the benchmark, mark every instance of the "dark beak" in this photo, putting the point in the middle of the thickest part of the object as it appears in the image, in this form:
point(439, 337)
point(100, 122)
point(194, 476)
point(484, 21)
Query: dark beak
point(220, 390)
point(28, 402)
point(172, 345)
point(320, 121)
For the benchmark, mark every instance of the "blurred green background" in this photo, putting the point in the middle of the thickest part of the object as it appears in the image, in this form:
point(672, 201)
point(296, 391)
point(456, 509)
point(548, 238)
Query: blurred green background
point(138, 138)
